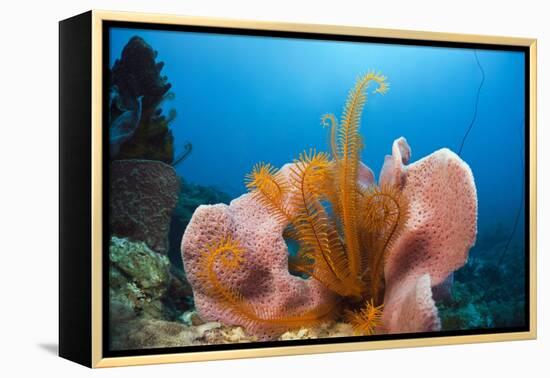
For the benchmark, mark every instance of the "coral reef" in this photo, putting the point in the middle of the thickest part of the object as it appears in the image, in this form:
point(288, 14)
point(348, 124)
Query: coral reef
point(142, 196)
point(143, 288)
point(151, 333)
point(329, 329)
point(487, 292)
point(142, 314)
point(142, 333)
point(139, 129)
point(138, 278)
point(359, 243)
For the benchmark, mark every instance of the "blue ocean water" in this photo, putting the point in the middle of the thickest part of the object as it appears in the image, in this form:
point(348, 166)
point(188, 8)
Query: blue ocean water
point(245, 99)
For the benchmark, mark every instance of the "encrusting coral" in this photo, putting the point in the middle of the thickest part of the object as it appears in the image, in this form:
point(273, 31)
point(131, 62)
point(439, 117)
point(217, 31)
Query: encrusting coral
point(138, 278)
point(361, 245)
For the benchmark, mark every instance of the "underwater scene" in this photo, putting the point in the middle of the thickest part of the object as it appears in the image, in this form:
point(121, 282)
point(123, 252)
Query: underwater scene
point(277, 188)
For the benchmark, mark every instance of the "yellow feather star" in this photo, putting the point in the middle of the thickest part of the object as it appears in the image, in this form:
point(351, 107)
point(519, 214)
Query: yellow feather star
point(343, 229)
point(366, 320)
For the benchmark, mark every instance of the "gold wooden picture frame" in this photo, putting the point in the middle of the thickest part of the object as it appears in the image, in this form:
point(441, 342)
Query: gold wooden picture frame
point(92, 134)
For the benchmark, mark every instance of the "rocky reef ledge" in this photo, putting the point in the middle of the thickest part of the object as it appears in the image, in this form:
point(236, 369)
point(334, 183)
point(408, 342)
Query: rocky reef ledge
point(191, 330)
point(151, 306)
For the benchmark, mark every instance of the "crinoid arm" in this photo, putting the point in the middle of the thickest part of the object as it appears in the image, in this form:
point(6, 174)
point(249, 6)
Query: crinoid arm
point(383, 213)
point(366, 320)
point(343, 229)
point(349, 144)
point(269, 187)
point(227, 254)
point(313, 229)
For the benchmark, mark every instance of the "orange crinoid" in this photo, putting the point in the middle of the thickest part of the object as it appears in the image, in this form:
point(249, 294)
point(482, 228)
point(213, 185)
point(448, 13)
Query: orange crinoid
point(343, 227)
point(358, 243)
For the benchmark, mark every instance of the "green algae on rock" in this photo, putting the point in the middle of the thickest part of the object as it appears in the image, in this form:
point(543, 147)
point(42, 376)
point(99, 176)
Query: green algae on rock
point(138, 278)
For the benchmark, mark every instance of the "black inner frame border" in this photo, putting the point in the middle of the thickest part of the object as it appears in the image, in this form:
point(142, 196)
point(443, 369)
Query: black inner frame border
point(106, 28)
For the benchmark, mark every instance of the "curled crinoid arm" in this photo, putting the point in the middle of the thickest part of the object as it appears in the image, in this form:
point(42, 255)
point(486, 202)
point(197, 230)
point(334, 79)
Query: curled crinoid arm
point(384, 212)
point(230, 253)
point(366, 320)
point(381, 80)
point(227, 255)
point(269, 187)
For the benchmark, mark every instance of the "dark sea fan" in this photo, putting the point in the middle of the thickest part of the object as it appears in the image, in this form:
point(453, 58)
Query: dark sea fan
point(135, 74)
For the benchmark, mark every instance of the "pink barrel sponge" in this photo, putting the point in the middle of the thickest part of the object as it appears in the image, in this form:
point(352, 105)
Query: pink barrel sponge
point(437, 237)
point(263, 279)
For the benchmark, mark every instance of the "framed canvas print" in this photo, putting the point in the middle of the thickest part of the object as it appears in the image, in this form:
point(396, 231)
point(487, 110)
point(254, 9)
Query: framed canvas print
point(235, 189)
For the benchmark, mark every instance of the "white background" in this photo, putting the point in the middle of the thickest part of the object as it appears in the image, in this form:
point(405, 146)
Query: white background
point(29, 174)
